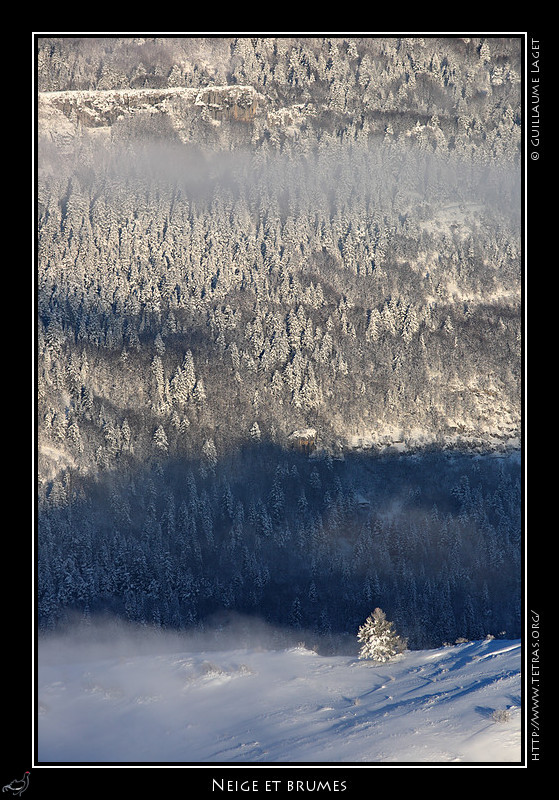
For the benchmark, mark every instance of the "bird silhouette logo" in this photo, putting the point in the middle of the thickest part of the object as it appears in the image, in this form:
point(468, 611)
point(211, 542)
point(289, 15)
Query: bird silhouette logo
point(17, 787)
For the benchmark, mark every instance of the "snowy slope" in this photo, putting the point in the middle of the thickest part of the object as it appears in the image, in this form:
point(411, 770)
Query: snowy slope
point(282, 706)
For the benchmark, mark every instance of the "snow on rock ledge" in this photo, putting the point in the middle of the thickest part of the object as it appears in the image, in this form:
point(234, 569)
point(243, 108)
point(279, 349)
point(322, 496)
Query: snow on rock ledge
point(101, 109)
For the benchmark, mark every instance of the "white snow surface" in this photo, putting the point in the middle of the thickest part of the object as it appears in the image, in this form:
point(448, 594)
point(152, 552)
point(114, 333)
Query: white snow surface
point(118, 703)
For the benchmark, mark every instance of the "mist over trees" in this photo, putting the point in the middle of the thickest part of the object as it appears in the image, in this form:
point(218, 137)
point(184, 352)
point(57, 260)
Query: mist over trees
point(239, 238)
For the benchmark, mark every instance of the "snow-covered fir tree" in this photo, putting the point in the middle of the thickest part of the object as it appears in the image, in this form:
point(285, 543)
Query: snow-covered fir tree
point(380, 642)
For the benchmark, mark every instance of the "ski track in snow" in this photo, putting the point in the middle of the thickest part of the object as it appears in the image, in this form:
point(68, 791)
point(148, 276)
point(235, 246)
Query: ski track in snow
point(290, 706)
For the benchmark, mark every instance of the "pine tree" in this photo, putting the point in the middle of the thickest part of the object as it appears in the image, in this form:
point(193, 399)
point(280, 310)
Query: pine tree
point(160, 439)
point(379, 639)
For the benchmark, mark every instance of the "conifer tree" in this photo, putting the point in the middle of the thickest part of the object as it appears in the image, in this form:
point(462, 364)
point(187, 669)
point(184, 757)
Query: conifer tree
point(380, 641)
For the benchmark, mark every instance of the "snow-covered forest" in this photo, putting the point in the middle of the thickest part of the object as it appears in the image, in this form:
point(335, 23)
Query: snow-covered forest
point(242, 238)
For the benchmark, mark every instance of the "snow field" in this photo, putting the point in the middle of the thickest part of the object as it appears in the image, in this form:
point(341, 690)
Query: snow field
point(288, 706)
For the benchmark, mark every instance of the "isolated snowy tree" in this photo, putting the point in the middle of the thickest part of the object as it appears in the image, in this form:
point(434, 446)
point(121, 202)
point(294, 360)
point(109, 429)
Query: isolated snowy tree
point(379, 639)
point(210, 453)
point(160, 439)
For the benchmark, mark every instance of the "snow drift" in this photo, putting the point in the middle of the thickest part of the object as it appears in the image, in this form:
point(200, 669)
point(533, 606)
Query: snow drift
point(128, 705)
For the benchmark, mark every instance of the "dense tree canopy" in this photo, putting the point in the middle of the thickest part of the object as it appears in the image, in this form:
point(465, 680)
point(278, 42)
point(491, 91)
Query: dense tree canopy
point(242, 237)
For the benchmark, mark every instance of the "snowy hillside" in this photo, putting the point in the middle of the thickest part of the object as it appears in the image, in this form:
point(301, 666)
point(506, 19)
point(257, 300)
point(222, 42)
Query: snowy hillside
point(291, 706)
point(279, 376)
